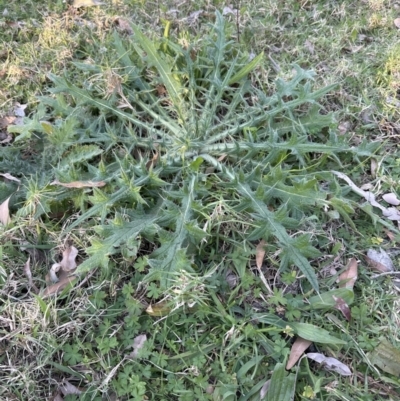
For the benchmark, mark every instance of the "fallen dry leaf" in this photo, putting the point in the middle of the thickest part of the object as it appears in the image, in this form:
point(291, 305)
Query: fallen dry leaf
point(5, 138)
point(340, 304)
point(229, 10)
point(64, 268)
point(138, 343)
point(309, 46)
point(264, 389)
point(151, 163)
point(344, 127)
point(374, 167)
point(160, 309)
point(397, 23)
point(297, 350)
point(349, 276)
point(69, 389)
point(391, 198)
point(28, 274)
point(379, 261)
point(392, 213)
point(124, 25)
point(79, 184)
point(68, 262)
point(260, 253)
point(194, 17)
point(389, 213)
point(330, 363)
point(53, 272)
point(10, 177)
point(86, 3)
point(366, 187)
point(5, 212)
point(58, 397)
point(6, 121)
point(368, 196)
point(19, 110)
point(390, 235)
point(58, 287)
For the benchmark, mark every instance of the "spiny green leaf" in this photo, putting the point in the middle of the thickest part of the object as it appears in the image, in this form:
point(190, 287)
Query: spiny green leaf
point(171, 256)
point(113, 236)
point(169, 78)
point(81, 153)
point(291, 252)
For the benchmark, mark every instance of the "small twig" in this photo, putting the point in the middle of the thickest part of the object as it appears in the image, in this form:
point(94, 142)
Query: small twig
point(386, 274)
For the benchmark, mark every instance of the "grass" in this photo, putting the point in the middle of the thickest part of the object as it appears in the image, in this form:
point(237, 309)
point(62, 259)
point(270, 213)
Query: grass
point(203, 154)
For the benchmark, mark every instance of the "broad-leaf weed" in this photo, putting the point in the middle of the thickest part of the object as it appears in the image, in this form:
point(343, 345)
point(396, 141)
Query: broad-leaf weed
point(202, 160)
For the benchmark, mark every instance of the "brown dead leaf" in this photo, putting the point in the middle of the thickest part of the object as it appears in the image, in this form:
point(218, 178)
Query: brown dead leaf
point(391, 198)
point(330, 363)
point(309, 46)
point(5, 212)
point(390, 235)
point(374, 167)
point(5, 138)
point(86, 3)
point(28, 274)
point(367, 186)
point(138, 344)
point(79, 184)
point(69, 389)
point(260, 253)
point(264, 389)
point(58, 287)
point(68, 262)
point(10, 177)
point(392, 213)
point(344, 127)
point(348, 278)
point(151, 163)
point(379, 261)
point(124, 25)
point(64, 268)
point(27, 271)
point(58, 397)
point(19, 110)
point(6, 121)
point(340, 304)
point(160, 309)
point(52, 276)
point(397, 23)
point(229, 10)
point(298, 348)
